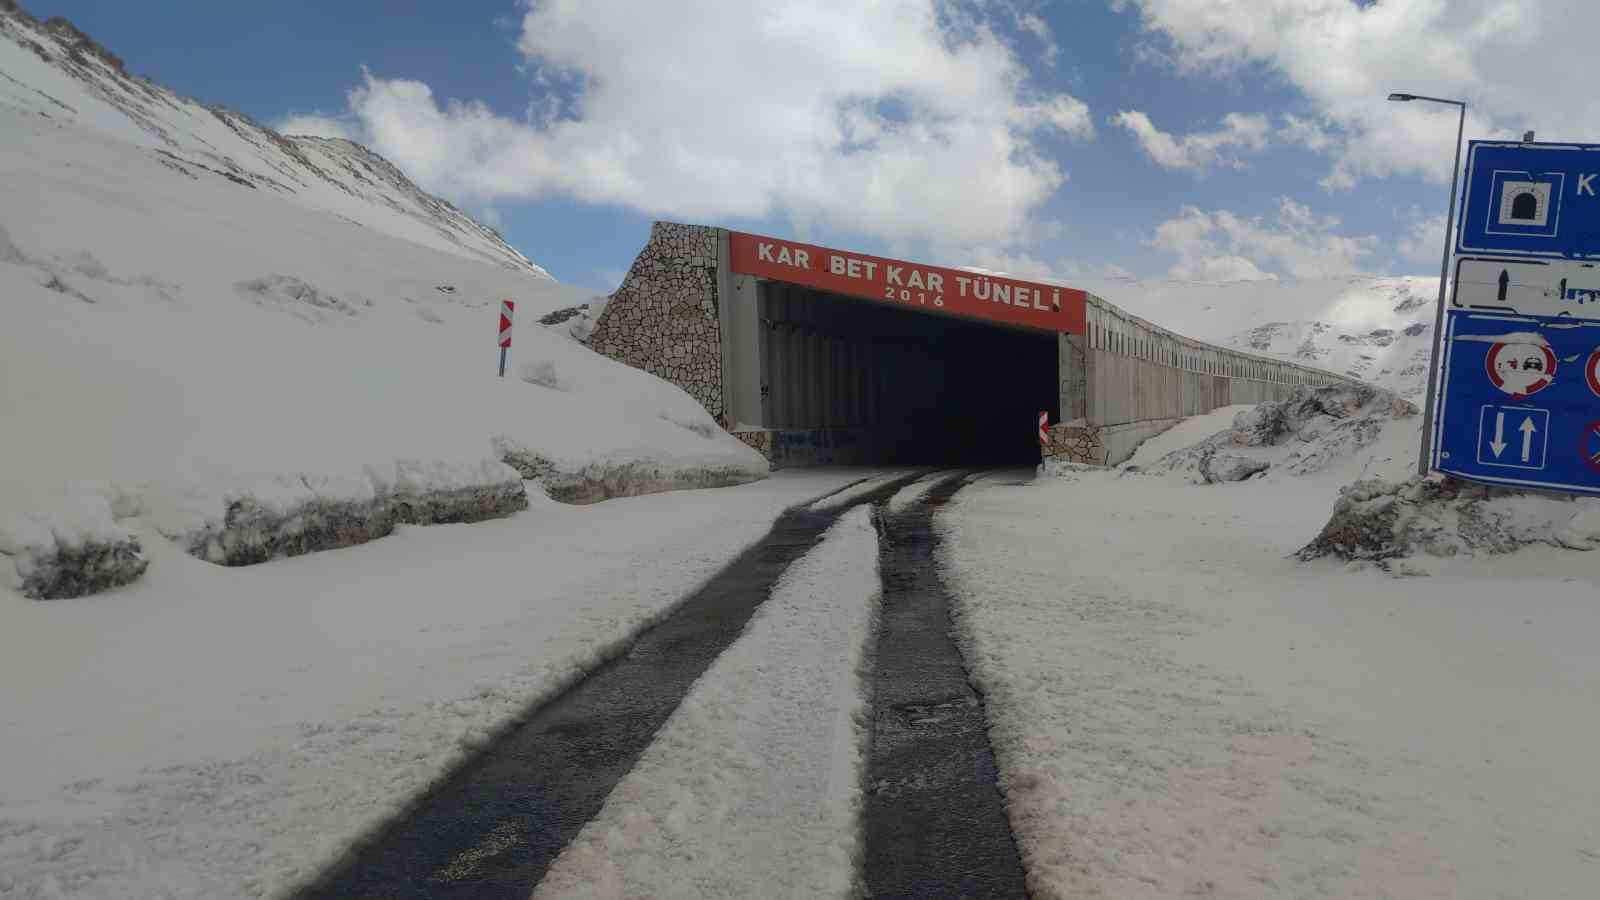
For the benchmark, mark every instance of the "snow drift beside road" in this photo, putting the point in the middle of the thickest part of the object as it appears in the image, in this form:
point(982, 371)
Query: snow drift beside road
point(1314, 428)
point(170, 347)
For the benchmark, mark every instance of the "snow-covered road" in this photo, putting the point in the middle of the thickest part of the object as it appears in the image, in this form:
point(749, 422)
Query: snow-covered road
point(214, 732)
point(1176, 706)
point(753, 787)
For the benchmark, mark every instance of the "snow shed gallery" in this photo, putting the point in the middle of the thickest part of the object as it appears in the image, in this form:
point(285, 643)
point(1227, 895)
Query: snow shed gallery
point(820, 356)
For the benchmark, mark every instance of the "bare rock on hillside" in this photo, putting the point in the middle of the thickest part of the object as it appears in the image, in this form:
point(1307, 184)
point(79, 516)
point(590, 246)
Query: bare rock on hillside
point(1384, 520)
point(1315, 425)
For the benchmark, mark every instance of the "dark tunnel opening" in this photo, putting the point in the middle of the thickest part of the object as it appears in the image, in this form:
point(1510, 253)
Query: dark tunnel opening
point(917, 388)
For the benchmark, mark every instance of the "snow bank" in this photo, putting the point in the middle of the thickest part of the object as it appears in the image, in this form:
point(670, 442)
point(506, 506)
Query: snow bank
point(288, 517)
point(1179, 708)
point(1306, 433)
point(753, 787)
point(1184, 435)
point(1383, 520)
point(80, 549)
point(260, 377)
point(622, 478)
point(213, 733)
point(583, 325)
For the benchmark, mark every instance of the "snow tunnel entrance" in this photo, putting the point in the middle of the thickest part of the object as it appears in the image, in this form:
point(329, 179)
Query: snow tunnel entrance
point(876, 384)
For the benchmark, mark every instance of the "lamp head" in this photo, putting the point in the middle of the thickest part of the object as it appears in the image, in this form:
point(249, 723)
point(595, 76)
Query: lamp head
point(1402, 97)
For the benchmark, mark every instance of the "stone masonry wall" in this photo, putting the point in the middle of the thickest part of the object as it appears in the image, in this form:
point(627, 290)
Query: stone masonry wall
point(1077, 443)
point(663, 319)
point(761, 441)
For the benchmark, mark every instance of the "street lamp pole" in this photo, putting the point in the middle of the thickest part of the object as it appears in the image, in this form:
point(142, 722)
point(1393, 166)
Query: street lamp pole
point(1426, 449)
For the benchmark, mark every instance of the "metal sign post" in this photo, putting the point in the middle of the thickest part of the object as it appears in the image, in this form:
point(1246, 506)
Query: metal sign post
point(1519, 377)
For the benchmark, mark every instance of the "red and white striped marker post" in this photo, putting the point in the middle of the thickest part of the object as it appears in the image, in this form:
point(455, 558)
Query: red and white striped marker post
point(506, 309)
point(1044, 433)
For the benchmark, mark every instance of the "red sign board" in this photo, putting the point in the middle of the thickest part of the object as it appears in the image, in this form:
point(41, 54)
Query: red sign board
point(506, 309)
point(895, 282)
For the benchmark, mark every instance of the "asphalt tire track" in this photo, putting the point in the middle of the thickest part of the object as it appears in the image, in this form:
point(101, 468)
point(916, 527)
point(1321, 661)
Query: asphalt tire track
point(935, 821)
point(492, 827)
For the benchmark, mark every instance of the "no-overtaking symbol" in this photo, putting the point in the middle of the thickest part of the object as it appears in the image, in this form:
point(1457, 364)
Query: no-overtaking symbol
point(1520, 369)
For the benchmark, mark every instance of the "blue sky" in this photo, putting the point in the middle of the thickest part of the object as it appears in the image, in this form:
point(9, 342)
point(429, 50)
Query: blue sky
point(1075, 140)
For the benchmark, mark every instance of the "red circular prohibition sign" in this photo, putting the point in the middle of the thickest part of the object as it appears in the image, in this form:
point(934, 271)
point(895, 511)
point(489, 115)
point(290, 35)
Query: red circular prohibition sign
point(1591, 371)
point(1529, 368)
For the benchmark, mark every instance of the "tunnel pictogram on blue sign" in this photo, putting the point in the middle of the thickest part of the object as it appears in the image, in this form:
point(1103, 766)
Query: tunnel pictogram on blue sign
point(1531, 200)
point(1520, 401)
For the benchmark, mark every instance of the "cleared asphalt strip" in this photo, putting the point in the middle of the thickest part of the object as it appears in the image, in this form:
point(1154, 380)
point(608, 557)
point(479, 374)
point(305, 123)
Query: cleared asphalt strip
point(936, 824)
point(752, 788)
point(492, 828)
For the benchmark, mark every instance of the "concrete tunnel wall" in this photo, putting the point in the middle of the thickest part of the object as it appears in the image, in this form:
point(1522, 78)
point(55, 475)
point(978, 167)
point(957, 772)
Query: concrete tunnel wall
point(682, 314)
point(1126, 380)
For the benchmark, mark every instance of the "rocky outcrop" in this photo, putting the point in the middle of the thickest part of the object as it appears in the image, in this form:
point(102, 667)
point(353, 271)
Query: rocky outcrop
point(77, 571)
point(1217, 468)
point(663, 319)
point(605, 480)
point(1305, 433)
point(69, 544)
point(253, 532)
point(1384, 520)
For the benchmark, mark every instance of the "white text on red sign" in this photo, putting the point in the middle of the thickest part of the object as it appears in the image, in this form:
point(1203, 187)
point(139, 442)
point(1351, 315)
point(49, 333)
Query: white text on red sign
point(911, 284)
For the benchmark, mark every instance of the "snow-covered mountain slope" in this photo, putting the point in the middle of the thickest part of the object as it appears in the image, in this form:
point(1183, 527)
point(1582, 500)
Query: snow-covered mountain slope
point(1377, 329)
point(53, 71)
point(182, 332)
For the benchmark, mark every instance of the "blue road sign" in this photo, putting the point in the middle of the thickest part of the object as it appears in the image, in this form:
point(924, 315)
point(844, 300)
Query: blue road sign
point(1520, 401)
point(1530, 422)
point(1531, 200)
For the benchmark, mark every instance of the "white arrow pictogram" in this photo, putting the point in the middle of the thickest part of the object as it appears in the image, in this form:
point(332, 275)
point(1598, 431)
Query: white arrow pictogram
point(1527, 429)
point(1498, 445)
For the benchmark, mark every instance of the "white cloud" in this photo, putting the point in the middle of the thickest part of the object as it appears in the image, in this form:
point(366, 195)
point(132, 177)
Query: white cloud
point(1306, 133)
point(1201, 149)
point(1221, 246)
point(317, 126)
point(1423, 241)
point(1036, 26)
point(994, 261)
point(905, 119)
point(1516, 61)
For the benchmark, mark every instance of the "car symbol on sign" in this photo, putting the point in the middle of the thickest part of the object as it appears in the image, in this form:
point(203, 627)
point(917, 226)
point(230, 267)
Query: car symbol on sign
point(1520, 370)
